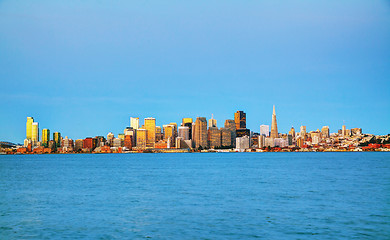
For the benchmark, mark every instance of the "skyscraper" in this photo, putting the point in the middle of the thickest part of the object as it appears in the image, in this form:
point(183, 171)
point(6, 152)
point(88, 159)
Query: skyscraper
point(184, 132)
point(240, 119)
point(150, 126)
point(187, 122)
point(35, 133)
point(274, 126)
point(303, 132)
point(141, 138)
point(45, 137)
point(134, 122)
point(231, 125)
point(264, 130)
point(344, 130)
point(292, 132)
point(57, 139)
point(29, 122)
point(325, 132)
point(200, 132)
point(212, 121)
point(214, 137)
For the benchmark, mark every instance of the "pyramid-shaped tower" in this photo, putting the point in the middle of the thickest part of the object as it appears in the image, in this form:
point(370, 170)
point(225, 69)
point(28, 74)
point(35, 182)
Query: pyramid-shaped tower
point(274, 126)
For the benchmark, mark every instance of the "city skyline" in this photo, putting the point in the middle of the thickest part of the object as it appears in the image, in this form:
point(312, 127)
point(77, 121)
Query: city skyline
point(84, 68)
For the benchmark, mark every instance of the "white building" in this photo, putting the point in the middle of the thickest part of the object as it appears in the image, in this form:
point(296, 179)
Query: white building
point(242, 143)
point(134, 122)
point(264, 130)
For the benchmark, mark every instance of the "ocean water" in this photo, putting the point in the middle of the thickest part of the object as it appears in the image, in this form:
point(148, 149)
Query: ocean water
point(196, 196)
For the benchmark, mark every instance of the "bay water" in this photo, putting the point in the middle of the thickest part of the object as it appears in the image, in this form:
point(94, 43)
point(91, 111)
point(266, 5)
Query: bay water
point(195, 196)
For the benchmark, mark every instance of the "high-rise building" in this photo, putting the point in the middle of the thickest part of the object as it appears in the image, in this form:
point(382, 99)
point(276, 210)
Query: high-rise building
point(212, 121)
point(200, 132)
point(134, 122)
point(29, 122)
point(243, 142)
point(274, 125)
point(159, 134)
point(226, 137)
point(303, 132)
point(264, 130)
point(57, 139)
point(169, 131)
point(35, 133)
point(214, 137)
point(231, 125)
point(292, 132)
point(133, 133)
point(110, 138)
point(174, 130)
point(141, 138)
point(325, 132)
point(240, 119)
point(45, 137)
point(187, 122)
point(184, 132)
point(261, 141)
point(150, 126)
point(128, 143)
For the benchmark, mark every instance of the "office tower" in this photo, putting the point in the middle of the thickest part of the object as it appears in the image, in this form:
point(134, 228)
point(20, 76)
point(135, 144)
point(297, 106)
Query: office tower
point(226, 137)
point(264, 130)
point(200, 132)
point(35, 133)
point(261, 141)
point(29, 122)
point(240, 119)
point(184, 133)
point(159, 134)
point(174, 130)
point(300, 142)
point(292, 132)
point(133, 133)
point(45, 137)
point(303, 132)
point(325, 132)
point(67, 144)
point(242, 143)
point(344, 130)
point(187, 122)
point(100, 141)
point(150, 126)
point(212, 121)
point(290, 139)
point(89, 143)
point(134, 122)
point(231, 125)
point(141, 138)
point(214, 137)
point(169, 131)
point(274, 125)
point(57, 139)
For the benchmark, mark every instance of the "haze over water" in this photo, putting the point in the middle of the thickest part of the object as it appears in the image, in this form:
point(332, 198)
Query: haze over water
point(196, 196)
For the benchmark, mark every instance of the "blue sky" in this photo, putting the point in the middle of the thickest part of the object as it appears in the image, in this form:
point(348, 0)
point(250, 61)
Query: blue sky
point(83, 68)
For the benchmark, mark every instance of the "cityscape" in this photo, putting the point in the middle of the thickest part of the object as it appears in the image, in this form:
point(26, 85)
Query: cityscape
point(201, 135)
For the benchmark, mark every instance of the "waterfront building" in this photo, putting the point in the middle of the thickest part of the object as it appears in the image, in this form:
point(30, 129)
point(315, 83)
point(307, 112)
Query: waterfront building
point(292, 132)
point(300, 142)
point(89, 144)
point(67, 144)
point(100, 141)
point(303, 132)
point(212, 121)
point(274, 125)
point(141, 138)
point(45, 137)
point(29, 122)
point(264, 130)
point(159, 134)
point(184, 133)
point(35, 133)
point(134, 122)
point(150, 126)
point(110, 138)
point(78, 145)
point(214, 137)
point(231, 125)
point(200, 132)
point(226, 137)
point(269, 142)
point(187, 122)
point(169, 131)
point(242, 143)
point(117, 142)
point(240, 119)
point(261, 141)
point(133, 133)
point(325, 132)
point(128, 142)
point(174, 129)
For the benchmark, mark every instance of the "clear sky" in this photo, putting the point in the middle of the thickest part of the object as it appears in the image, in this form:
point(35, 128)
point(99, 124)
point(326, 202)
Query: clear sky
point(84, 67)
